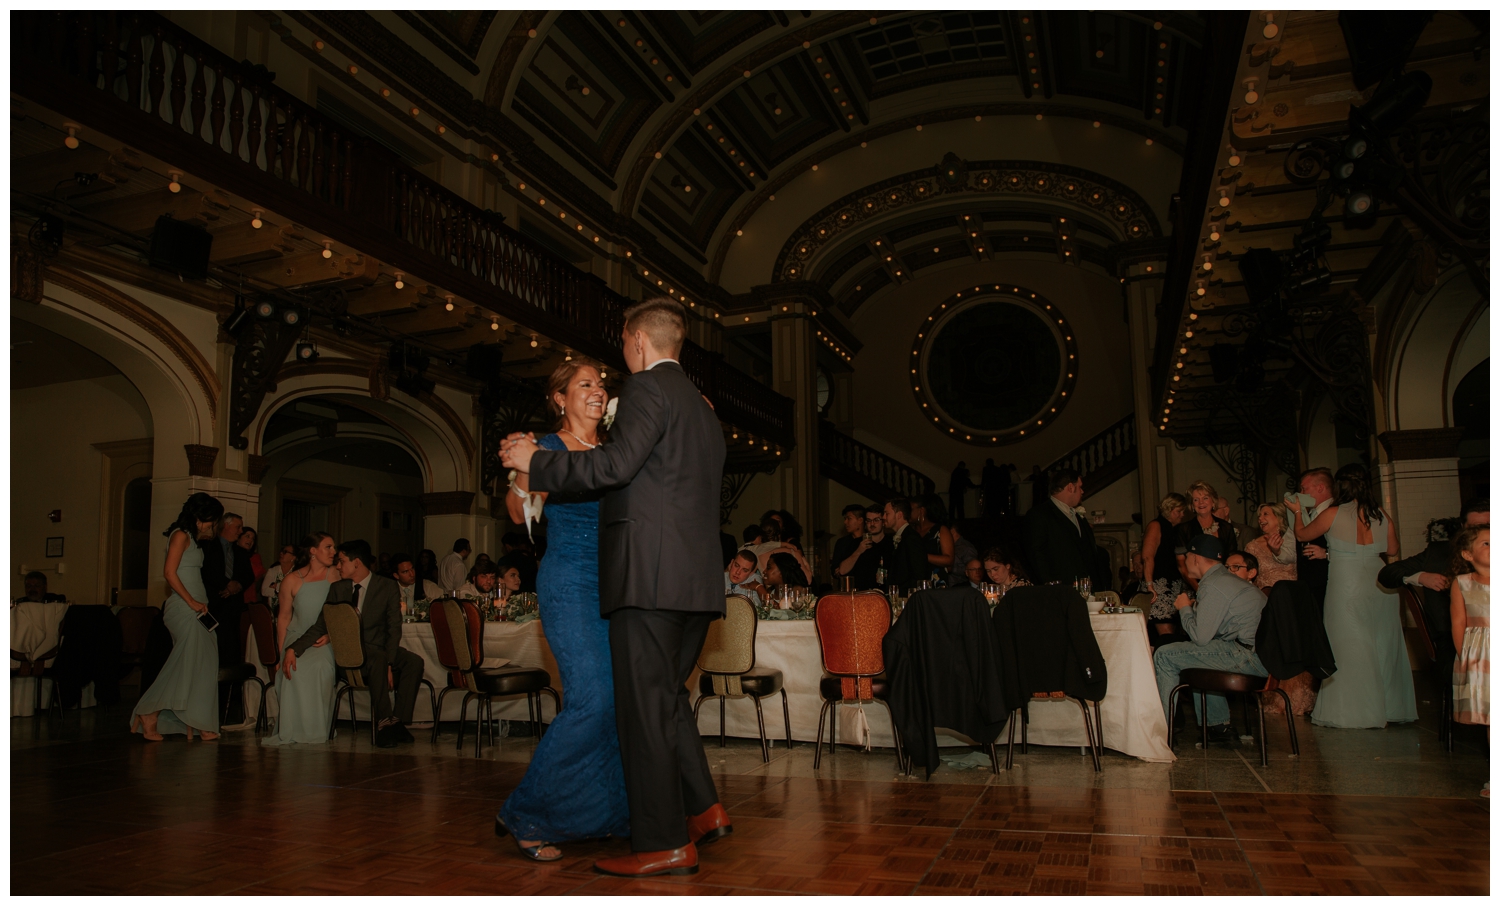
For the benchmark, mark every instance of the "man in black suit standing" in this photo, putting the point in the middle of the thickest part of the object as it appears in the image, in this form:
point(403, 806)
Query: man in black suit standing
point(660, 584)
point(1427, 574)
point(1312, 556)
point(377, 599)
point(226, 575)
point(1059, 539)
point(910, 567)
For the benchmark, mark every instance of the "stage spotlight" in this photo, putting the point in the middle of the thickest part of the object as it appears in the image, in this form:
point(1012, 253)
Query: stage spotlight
point(265, 310)
point(291, 317)
point(236, 320)
point(307, 352)
point(1359, 203)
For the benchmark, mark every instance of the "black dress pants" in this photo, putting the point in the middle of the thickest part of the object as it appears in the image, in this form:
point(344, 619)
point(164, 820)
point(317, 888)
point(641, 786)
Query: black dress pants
point(666, 771)
point(407, 668)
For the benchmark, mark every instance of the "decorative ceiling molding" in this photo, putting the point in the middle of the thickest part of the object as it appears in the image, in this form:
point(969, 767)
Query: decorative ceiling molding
point(1113, 202)
point(464, 58)
point(797, 168)
point(510, 54)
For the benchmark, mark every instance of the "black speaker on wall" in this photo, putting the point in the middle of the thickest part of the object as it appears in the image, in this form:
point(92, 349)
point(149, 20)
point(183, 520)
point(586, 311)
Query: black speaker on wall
point(180, 247)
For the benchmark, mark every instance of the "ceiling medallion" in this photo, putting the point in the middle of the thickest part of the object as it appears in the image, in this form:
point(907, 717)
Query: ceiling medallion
point(993, 366)
point(1113, 202)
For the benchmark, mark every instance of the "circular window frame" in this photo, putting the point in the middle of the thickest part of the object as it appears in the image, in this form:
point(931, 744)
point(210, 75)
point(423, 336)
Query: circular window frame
point(932, 411)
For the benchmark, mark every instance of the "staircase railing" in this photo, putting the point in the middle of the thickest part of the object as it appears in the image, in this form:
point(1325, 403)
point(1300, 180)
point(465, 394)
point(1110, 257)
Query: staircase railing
point(864, 469)
point(145, 81)
point(1104, 458)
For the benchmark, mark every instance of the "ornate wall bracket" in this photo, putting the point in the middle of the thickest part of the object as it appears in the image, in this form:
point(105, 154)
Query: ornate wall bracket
point(201, 459)
point(258, 354)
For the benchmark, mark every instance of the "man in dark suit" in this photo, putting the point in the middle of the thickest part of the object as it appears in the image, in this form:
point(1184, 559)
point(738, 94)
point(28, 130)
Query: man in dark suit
point(226, 575)
point(1427, 573)
point(1059, 540)
point(377, 599)
point(910, 567)
point(660, 583)
point(1312, 556)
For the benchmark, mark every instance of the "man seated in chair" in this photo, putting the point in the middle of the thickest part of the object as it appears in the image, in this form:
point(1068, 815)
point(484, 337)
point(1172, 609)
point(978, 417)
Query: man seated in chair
point(1222, 629)
point(377, 599)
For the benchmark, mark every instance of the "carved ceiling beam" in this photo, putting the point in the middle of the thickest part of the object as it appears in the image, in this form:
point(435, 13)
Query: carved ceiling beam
point(971, 227)
point(889, 260)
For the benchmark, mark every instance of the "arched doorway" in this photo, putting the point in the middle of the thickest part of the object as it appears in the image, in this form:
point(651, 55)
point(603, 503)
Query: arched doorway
point(338, 467)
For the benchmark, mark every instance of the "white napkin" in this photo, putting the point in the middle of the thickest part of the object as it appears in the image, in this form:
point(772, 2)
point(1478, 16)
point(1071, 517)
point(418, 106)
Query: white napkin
point(490, 663)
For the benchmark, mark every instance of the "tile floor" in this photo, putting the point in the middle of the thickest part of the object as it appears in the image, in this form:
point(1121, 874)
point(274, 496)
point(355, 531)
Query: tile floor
point(97, 811)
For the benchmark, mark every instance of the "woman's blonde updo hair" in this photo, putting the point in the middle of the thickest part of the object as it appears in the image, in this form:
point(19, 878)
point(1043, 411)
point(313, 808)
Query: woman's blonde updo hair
point(1173, 501)
point(561, 377)
point(1278, 509)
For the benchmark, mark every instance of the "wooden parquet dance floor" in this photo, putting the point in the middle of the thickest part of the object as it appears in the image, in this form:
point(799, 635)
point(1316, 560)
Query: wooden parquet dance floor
point(111, 814)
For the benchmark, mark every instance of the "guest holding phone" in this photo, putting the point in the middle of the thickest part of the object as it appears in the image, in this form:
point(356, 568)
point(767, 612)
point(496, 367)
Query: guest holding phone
point(185, 695)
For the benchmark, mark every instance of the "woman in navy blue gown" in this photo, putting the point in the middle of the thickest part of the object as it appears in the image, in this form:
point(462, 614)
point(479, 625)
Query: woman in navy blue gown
point(574, 788)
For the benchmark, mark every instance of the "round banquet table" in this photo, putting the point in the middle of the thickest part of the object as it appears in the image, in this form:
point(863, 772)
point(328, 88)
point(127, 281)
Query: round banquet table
point(516, 644)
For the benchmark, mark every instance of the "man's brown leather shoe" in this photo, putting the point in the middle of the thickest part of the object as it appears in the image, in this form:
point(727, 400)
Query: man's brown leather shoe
point(683, 861)
point(709, 826)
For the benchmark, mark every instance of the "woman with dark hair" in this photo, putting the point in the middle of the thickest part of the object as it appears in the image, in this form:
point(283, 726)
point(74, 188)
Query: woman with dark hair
point(249, 539)
point(930, 518)
point(304, 685)
point(1002, 568)
point(783, 569)
point(574, 788)
point(185, 696)
point(427, 567)
point(1373, 684)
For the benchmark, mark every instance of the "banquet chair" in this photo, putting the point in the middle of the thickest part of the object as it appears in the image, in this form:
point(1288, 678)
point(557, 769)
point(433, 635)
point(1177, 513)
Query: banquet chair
point(1223, 682)
point(1443, 673)
point(342, 622)
point(727, 659)
point(265, 651)
point(37, 668)
point(136, 624)
point(1110, 598)
point(1142, 600)
point(851, 629)
point(458, 631)
point(1037, 618)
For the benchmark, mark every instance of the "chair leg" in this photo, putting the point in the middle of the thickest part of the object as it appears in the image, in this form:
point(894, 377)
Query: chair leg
point(333, 724)
point(480, 701)
point(437, 712)
point(372, 714)
point(1203, 717)
point(1098, 730)
point(818, 745)
point(261, 718)
point(765, 744)
point(722, 700)
point(786, 717)
point(1260, 719)
point(1010, 745)
point(1172, 714)
point(1088, 732)
point(1245, 707)
point(463, 713)
point(833, 725)
point(1291, 728)
point(697, 705)
point(556, 705)
point(431, 697)
point(532, 707)
point(994, 760)
point(903, 763)
point(1025, 722)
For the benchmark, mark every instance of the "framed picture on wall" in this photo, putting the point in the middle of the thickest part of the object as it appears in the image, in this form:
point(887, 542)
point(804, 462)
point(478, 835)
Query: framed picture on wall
point(55, 546)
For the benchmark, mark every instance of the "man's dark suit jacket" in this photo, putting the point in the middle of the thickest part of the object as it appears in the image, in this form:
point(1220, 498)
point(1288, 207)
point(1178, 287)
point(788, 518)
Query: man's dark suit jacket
point(1435, 558)
point(1055, 548)
point(379, 620)
point(214, 580)
point(909, 567)
point(659, 520)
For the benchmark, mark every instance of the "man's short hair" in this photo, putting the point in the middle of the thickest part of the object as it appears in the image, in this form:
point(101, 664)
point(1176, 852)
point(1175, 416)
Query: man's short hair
point(1058, 479)
point(1323, 474)
point(663, 322)
point(855, 508)
point(460, 545)
point(901, 505)
point(1475, 505)
point(750, 533)
point(492, 568)
point(357, 549)
point(398, 559)
point(36, 575)
point(228, 516)
point(747, 556)
point(1251, 562)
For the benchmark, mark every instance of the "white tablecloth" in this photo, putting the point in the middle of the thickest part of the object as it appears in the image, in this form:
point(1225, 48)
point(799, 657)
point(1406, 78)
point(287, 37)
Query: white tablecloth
point(521, 644)
point(34, 629)
point(1133, 719)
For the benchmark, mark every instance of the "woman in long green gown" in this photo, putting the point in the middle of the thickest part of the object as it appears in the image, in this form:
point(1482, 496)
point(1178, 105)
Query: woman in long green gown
point(304, 694)
point(185, 696)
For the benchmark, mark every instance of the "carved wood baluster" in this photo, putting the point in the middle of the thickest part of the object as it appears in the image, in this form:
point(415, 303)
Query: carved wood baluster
point(287, 136)
point(220, 102)
point(403, 217)
point(133, 62)
point(332, 178)
point(157, 85)
point(304, 151)
point(237, 115)
point(83, 46)
point(253, 135)
point(110, 58)
point(179, 82)
point(199, 110)
point(348, 172)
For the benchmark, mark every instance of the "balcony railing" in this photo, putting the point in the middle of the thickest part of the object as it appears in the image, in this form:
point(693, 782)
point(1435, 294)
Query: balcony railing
point(145, 81)
point(1104, 458)
point(864, 469)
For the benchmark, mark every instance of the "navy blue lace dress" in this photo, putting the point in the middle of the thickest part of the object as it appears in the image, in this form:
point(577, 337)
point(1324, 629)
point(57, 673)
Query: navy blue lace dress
point(574, 788)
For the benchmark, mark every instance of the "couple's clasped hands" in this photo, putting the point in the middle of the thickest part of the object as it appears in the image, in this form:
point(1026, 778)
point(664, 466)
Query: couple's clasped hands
point(516, 450)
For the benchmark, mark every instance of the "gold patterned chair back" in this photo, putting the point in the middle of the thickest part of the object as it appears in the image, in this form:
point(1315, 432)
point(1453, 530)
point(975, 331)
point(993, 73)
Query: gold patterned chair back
point(1142, 600)
point(730, 645)
point(342, 623)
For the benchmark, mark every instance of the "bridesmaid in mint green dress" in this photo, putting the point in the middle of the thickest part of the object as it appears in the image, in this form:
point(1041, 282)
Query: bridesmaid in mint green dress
point(185, 696)
point(304, 694)
point(1372, 685)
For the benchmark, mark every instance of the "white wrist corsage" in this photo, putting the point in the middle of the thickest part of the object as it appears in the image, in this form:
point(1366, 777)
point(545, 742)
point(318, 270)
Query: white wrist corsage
point(531, 509)
point(609, 412)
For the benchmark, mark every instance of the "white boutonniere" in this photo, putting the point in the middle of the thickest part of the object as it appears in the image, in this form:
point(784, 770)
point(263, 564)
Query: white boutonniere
point(609, 412)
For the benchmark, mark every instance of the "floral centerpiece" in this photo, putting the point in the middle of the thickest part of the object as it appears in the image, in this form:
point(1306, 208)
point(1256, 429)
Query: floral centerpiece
point(521, 604)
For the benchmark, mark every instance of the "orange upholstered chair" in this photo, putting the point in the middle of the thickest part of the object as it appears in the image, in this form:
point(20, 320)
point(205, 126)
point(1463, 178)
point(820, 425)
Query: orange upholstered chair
point(851, 628)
